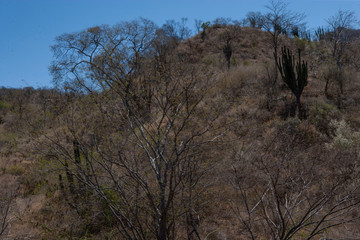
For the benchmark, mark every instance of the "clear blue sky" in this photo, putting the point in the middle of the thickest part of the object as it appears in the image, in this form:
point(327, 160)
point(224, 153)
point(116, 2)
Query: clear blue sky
point(28, 27)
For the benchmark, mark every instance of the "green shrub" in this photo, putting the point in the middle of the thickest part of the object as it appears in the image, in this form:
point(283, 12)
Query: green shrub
point(15, 170)
point(290, 125)
point(4, 105)
point(210, 60)
point(321, 114)
point(246, 63)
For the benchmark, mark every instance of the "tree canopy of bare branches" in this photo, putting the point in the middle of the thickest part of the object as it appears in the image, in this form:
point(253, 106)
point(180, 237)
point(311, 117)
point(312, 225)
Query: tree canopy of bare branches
point(146, 161)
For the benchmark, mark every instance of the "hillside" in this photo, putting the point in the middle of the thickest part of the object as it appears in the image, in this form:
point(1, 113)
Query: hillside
point(156, 138)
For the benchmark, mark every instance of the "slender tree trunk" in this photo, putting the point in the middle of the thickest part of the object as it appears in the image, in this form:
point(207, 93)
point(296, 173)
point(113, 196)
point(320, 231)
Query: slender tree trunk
point(275, 42)
point(162, 227)
point(162, 231)
point(340, 77)
point(298, 103)
point(326, 88)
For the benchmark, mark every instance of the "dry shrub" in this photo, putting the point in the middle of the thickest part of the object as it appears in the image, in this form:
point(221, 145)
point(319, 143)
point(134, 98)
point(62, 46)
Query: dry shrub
point(321, 114)
point(345, 137)
point(241, 83)
point(292, 168)
point(15, 169)
point(340, 85)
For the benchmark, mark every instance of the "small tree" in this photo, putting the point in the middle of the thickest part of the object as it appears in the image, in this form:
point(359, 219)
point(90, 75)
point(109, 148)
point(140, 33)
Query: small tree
point(226, 38)
point(294, 74)
point(177, 30)
point(279, 20)
point(227, 50)
point(204, 27)
point(290, 190)
point(4, 214)
point(338, 26)
point(254, 19)
point(198, 23)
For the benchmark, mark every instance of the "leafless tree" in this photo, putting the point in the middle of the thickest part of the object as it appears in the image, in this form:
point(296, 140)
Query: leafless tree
point(294, 195)
point(228, 34)
point(339, 33)
point(279, 20)
point(5, 207)
point(198, 23)
point(177, 30)
point(254, 19)
point(145, 164)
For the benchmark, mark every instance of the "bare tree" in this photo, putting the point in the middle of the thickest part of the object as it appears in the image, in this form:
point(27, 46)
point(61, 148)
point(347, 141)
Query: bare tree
point(5, 205)
point(230, 34)
point(197, 24)
point(279, 20)
point(221, 22)
point(339, 27)
point(145, 164)
point(294, 195)
point(254, 19)
point(177, 30)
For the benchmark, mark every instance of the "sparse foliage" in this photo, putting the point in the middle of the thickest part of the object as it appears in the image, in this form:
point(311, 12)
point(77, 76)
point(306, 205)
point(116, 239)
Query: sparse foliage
point(254, 19)
point(339, 36)
point(293, 198)
point(230, 34)
point(152, 157)
point(177, 30)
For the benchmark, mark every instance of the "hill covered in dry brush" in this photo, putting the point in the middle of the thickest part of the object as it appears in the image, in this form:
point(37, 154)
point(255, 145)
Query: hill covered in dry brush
point(153, 135)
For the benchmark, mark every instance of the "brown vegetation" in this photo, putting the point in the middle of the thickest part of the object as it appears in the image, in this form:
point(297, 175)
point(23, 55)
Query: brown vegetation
point(154, 136)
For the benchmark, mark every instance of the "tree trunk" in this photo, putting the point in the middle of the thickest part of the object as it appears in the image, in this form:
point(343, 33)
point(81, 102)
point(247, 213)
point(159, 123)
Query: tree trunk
point(340, 77)
point(162, 231)
point(326, 88)
point(298, 103)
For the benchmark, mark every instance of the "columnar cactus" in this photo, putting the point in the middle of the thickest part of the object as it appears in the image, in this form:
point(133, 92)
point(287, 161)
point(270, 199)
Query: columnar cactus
point(294, 74)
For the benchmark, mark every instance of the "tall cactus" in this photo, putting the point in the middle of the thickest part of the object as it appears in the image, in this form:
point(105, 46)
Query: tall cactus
point(294, 74)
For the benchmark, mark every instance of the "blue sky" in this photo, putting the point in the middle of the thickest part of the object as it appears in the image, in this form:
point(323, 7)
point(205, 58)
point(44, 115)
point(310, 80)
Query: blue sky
point(28, 27)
